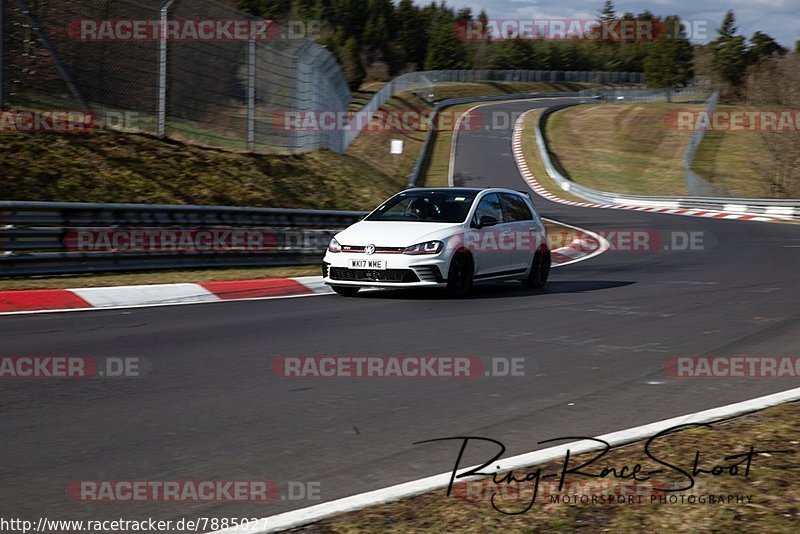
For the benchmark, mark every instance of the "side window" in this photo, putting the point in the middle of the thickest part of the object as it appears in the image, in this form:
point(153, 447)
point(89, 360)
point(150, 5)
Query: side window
point(490, 205)
point(516, 209)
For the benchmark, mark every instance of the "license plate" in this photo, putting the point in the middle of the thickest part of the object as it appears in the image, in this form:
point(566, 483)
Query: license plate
point(368, 264)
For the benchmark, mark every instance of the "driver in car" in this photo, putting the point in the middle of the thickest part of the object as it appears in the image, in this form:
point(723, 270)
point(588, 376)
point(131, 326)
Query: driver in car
point(423, 209)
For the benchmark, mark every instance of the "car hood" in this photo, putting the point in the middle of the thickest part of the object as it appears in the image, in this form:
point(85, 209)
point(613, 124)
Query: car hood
point(394, 234)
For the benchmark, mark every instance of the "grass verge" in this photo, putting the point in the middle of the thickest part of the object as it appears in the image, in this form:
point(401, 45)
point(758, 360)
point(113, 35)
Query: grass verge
point(625, 148)
point(530, 152)
point(115, 167)
point(774, 504)
point(735, 161)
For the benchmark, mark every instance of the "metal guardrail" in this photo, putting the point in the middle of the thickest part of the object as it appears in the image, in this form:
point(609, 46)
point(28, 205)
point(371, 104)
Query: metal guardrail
point(779, 208)
point(696, 185)
point(57, 238)
point(424, 83)
point(424, 156)
point(613, 94)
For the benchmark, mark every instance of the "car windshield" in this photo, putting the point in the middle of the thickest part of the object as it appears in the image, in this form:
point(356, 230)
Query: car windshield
point(426, 206)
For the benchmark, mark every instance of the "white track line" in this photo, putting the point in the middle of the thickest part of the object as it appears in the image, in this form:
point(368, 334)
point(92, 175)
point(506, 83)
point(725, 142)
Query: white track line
point(457, 126)
point(451, 164)
point(318, 512)
point(604, 245)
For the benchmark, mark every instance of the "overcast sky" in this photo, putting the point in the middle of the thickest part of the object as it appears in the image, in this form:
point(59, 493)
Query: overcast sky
point(778, 18)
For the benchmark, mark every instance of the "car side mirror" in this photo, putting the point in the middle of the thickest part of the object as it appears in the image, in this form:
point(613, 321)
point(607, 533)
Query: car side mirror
point(486, 220)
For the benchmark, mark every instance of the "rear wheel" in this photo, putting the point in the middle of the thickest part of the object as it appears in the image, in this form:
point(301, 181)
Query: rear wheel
point(346, 291)
point(459, 277)
point(540, 270)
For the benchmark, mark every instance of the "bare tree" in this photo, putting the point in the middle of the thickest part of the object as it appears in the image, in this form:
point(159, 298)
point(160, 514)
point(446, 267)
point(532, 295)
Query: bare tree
point(775, 85)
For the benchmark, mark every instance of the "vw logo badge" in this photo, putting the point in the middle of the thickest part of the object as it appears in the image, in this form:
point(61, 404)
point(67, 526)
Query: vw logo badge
point(369, 249)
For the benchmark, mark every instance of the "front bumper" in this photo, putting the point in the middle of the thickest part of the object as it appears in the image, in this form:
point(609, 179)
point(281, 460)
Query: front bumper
point(402, 270)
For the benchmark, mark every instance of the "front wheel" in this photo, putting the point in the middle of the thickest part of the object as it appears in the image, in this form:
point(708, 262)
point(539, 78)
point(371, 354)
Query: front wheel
point(459, 277)
point(540, 270)
point(346, 291)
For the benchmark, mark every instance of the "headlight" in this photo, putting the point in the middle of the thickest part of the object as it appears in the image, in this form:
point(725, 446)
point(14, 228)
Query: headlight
point(429, 247)
point(334, 246)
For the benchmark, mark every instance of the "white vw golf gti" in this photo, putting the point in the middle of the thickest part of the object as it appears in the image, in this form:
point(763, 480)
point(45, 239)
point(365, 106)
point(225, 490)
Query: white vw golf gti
point(449, 237)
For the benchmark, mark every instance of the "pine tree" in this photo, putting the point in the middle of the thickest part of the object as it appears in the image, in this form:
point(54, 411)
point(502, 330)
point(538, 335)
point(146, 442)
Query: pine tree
point(351, 63)
point(608, 13)
point(729, 53)
point(445, 50)
point(762, 46)
point(669, 61)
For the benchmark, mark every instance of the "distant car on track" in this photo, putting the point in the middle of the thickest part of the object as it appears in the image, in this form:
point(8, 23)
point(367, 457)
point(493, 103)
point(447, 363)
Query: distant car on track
point(450, 238)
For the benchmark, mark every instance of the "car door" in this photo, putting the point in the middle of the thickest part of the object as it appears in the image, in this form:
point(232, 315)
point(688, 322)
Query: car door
point(524, 230)
point(485, 242)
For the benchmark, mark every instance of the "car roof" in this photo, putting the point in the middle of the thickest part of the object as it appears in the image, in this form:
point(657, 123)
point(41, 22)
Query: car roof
point(457, 190)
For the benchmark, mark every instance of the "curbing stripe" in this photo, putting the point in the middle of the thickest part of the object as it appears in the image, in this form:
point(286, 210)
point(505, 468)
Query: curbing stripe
point(314, 284)
point(245, 289)
point(42, 299)
point(312, 514)
point(124, 297)
point(104, 297)
point(656, 206)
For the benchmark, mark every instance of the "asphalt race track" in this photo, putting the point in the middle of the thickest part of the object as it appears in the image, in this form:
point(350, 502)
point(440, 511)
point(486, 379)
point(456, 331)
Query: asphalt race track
point(594, 342)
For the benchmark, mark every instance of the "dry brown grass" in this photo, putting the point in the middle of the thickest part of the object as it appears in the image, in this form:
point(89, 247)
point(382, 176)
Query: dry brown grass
point(623, 148)
point(775, 504)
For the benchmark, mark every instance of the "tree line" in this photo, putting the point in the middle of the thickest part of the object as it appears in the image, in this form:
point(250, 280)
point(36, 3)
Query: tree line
point(375, 40)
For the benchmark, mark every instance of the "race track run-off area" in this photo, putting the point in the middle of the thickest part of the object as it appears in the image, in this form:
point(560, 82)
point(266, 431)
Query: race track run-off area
point(594, 343)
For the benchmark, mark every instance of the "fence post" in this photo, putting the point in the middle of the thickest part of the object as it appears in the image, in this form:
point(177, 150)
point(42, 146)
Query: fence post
point(162, 69)
point(251, 95)
point(2, 54)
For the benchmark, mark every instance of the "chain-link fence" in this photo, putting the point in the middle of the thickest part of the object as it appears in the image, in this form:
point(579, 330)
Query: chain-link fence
point(233, 93)
point(224, 91)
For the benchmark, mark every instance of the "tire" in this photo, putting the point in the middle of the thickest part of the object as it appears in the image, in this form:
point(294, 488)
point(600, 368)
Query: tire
point(540, 270)
point(459, 277)
point(346, 291)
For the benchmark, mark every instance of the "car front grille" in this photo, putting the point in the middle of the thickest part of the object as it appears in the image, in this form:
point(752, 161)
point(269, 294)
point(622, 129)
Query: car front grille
point(400, 276)
point(378, 250)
